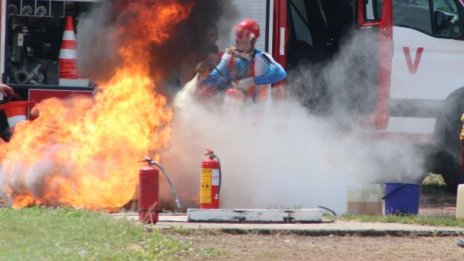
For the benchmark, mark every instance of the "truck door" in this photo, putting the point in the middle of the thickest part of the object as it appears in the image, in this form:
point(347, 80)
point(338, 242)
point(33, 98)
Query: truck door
point(427, 61)
point(280, 32)
point(377, 15)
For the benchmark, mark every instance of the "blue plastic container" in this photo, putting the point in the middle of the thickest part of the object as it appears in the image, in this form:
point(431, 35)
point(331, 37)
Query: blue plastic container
point(401, 198)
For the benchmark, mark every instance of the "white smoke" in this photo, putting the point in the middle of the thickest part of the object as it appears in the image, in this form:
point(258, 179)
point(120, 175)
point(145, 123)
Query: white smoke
point(278, 155)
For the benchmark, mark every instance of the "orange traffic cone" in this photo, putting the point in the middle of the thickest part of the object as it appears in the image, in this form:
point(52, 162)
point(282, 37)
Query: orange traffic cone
point(67, 59)
point(15, 112)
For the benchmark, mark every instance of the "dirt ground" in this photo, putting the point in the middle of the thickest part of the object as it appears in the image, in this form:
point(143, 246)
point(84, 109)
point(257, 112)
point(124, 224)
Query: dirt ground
point(293, 247)
point(335, 247)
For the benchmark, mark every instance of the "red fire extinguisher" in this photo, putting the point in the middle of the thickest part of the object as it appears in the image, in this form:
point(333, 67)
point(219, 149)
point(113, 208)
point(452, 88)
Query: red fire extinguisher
point(210, 181)
point(149, 191)
point(233, 100)
point(148, 194)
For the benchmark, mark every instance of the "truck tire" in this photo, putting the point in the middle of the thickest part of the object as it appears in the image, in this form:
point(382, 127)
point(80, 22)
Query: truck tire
point(449, 169)
point(446, 160)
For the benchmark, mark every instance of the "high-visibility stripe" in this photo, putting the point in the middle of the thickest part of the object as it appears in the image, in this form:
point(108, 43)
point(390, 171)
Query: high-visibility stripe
point(68, 54)
point(66, 44)
point(69, 35)
point(418, 138)
point(282, 41)
point(411, 125)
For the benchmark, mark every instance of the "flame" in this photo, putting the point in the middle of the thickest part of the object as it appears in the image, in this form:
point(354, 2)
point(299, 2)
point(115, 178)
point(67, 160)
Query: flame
point(85, 151)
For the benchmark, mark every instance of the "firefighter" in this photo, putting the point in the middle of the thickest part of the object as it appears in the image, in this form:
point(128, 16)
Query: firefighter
point(244, 67)
point(5, 91)
point(461, 136)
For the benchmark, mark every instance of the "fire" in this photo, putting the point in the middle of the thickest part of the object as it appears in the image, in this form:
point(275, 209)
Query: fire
point(85, 151)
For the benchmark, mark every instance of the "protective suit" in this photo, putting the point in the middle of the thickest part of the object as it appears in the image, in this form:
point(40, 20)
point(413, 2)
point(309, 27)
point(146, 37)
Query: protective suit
point(243, 67)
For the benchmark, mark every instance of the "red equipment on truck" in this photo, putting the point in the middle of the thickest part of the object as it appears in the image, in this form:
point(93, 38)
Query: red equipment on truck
point(38, 48)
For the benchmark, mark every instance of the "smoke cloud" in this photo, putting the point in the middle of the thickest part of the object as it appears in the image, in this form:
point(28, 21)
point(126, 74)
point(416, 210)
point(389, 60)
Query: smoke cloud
point(303, 151)
point(293, 153)
point(172, 62)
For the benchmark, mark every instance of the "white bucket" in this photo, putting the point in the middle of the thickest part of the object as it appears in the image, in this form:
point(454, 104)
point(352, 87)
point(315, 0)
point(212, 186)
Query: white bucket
point(365, 199)
point(460, 202)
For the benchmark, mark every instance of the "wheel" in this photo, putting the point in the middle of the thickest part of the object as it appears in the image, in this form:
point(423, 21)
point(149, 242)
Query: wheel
point(446, 161)
point(448, 166)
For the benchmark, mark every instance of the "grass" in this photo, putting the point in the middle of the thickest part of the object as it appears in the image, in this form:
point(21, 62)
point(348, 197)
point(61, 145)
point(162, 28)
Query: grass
point(68, 234)
point(439, 220)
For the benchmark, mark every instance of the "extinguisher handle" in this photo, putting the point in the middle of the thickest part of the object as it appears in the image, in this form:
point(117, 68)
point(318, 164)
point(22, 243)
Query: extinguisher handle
point(148, 160)
point(209, 153)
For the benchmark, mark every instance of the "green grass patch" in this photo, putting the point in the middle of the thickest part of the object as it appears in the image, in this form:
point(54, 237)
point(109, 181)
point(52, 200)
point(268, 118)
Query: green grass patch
point(439, 220)
point(68, 234)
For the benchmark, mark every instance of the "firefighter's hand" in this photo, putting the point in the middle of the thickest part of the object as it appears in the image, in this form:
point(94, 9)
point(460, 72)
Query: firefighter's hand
point(245, 84)
point(461, 136)
point(6, 90)
point(202, 69)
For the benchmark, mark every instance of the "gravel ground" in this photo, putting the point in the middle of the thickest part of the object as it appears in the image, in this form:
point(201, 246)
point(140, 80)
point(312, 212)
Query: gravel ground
point(293, 247)
point(283, 246)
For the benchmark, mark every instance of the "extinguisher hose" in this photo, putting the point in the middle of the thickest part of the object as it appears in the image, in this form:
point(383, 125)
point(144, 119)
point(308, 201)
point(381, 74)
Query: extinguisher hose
point(220, 177)
point(171, 185)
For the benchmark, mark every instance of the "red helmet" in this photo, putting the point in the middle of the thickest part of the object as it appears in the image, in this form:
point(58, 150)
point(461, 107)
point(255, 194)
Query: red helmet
point(247, 29)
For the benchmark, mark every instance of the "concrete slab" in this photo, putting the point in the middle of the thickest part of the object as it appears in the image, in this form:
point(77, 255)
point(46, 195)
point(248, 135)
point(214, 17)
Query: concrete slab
point(324, 228)
point(254, 215)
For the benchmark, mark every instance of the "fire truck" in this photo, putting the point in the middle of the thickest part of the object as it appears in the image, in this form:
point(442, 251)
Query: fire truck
point(402, 68)
point(402, 72)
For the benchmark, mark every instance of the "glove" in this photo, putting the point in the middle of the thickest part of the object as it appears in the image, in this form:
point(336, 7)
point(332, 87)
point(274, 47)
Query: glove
point(245, 84)
point(461, 136)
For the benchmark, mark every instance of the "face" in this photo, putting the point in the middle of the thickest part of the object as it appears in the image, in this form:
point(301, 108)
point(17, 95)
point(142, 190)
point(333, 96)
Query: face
point(243, 45)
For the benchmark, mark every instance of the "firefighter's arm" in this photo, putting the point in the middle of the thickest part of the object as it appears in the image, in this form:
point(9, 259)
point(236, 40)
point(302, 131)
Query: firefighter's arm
point(219, 77)
point(273, 72)
point(5, 90)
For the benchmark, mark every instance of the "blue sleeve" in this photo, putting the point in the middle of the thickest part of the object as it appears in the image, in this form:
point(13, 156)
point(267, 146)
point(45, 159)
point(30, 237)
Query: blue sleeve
point(219, 77)
point(274, 73)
